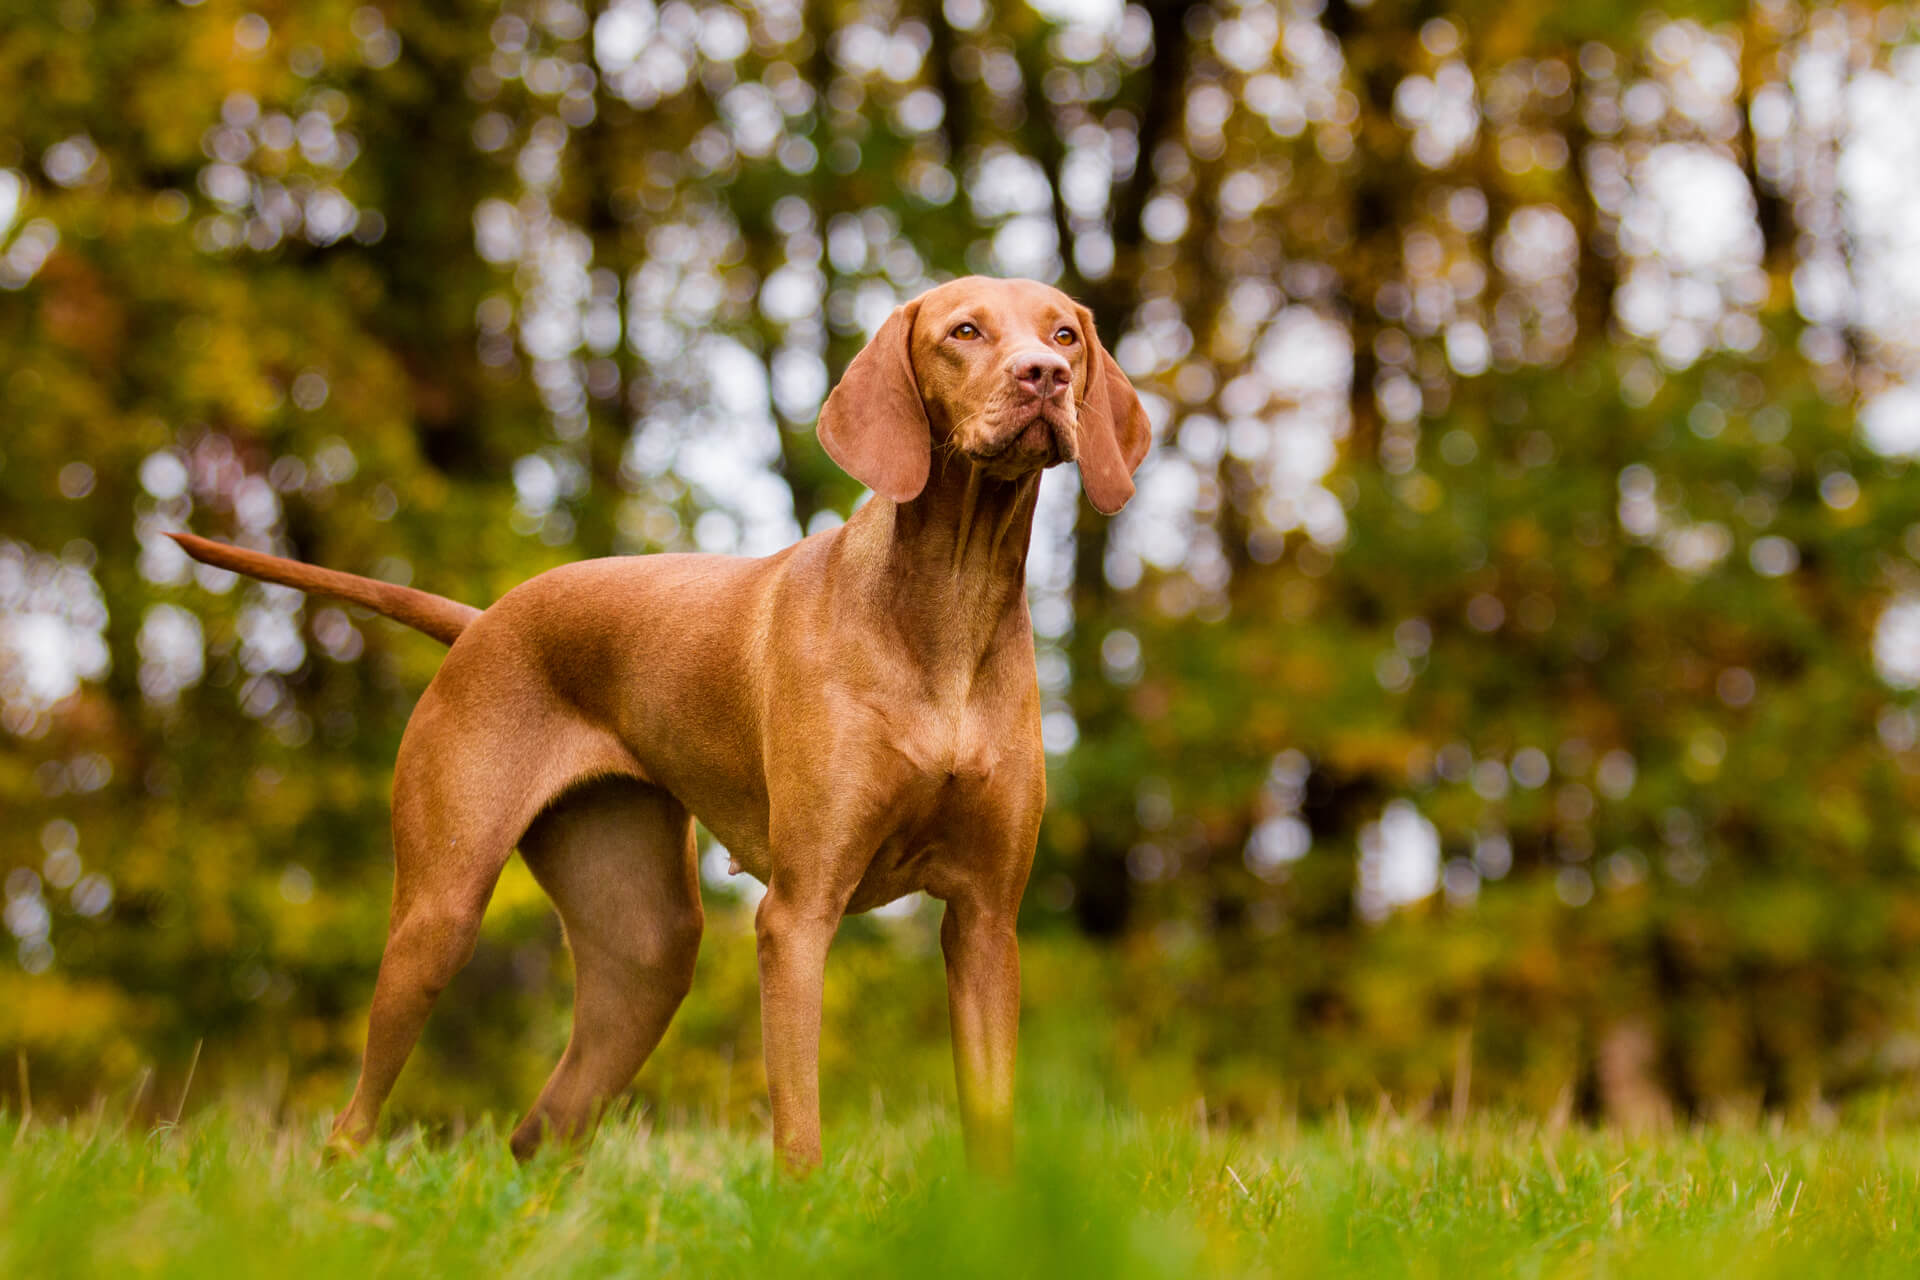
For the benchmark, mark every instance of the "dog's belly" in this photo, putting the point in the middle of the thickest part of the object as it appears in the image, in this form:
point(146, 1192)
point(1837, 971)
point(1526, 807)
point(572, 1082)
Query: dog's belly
point(746, 846)
point(898, 869)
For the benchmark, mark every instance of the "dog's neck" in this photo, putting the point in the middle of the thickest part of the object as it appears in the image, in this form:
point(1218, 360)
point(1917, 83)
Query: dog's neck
point(949, 568)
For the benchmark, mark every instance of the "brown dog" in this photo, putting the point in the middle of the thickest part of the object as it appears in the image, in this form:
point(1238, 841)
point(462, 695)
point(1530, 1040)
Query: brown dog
point(855, 718)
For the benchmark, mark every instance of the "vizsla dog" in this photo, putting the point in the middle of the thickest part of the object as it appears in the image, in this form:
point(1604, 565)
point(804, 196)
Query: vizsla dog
point(855, 717)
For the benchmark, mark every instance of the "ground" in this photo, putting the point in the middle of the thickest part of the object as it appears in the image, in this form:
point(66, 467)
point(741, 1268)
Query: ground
point(232, 1194)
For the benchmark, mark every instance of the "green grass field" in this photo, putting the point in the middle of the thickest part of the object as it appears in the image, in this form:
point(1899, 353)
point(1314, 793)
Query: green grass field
point(229, 1195)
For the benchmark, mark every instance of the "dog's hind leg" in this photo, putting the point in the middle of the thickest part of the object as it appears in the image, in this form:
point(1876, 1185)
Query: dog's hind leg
point(618, 859)
point(469, 780)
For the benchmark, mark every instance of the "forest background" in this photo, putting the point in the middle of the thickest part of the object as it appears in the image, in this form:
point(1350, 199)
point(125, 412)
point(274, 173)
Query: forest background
point(1500, 690)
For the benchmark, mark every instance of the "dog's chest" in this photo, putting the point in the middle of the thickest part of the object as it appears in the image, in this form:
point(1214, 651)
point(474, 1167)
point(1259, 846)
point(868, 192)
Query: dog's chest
point(958, 737)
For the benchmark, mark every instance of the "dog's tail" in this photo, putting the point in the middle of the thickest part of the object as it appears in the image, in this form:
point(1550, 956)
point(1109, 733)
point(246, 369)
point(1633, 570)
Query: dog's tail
point(437, 616)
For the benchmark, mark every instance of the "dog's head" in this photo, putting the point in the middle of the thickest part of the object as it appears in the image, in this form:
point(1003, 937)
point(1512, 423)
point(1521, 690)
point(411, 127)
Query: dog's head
point(1008, 373)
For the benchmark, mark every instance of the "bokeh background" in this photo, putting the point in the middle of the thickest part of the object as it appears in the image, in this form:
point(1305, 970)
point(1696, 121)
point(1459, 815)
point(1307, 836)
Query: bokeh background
point(1500, 692)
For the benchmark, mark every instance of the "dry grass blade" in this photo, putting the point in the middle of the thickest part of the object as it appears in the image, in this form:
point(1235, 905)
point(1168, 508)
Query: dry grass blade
point(193, 1064)
point(1553, 1165)
point(139, 1095)
point(1462, 1076)
point(1236, 1182)
point(26, 1097)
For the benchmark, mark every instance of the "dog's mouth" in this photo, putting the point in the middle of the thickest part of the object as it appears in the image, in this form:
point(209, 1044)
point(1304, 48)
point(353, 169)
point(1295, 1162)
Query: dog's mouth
point(1044, 439)
point(1036, 437)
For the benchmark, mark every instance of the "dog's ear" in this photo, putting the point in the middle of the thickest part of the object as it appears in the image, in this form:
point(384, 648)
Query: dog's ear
point(874, 423)
point(1114, 431)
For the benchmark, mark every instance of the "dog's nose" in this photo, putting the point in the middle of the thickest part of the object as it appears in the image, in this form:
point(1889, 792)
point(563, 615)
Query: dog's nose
point(1041, 373)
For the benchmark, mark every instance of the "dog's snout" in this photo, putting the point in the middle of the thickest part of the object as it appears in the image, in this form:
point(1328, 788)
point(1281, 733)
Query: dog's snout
point(1041, 372)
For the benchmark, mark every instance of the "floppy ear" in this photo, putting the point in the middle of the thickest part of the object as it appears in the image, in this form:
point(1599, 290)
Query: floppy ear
point(874, 424)
point(1114, 431)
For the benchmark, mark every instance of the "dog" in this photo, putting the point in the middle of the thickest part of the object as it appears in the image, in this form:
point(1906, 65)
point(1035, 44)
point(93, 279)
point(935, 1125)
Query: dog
point(855, 718)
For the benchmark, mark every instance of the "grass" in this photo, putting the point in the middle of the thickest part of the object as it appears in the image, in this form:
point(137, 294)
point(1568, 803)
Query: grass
point(229, 1194)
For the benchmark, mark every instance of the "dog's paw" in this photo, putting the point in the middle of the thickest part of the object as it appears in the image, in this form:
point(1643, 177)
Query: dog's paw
point(341, 1148)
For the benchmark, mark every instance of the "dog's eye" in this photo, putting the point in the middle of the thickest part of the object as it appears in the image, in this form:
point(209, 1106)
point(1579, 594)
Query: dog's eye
point(1065, 336)
point(965, 332)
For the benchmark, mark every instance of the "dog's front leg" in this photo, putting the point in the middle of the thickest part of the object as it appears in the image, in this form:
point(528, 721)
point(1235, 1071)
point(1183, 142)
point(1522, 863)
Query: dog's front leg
point(794, 932)
point(983, 1002)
